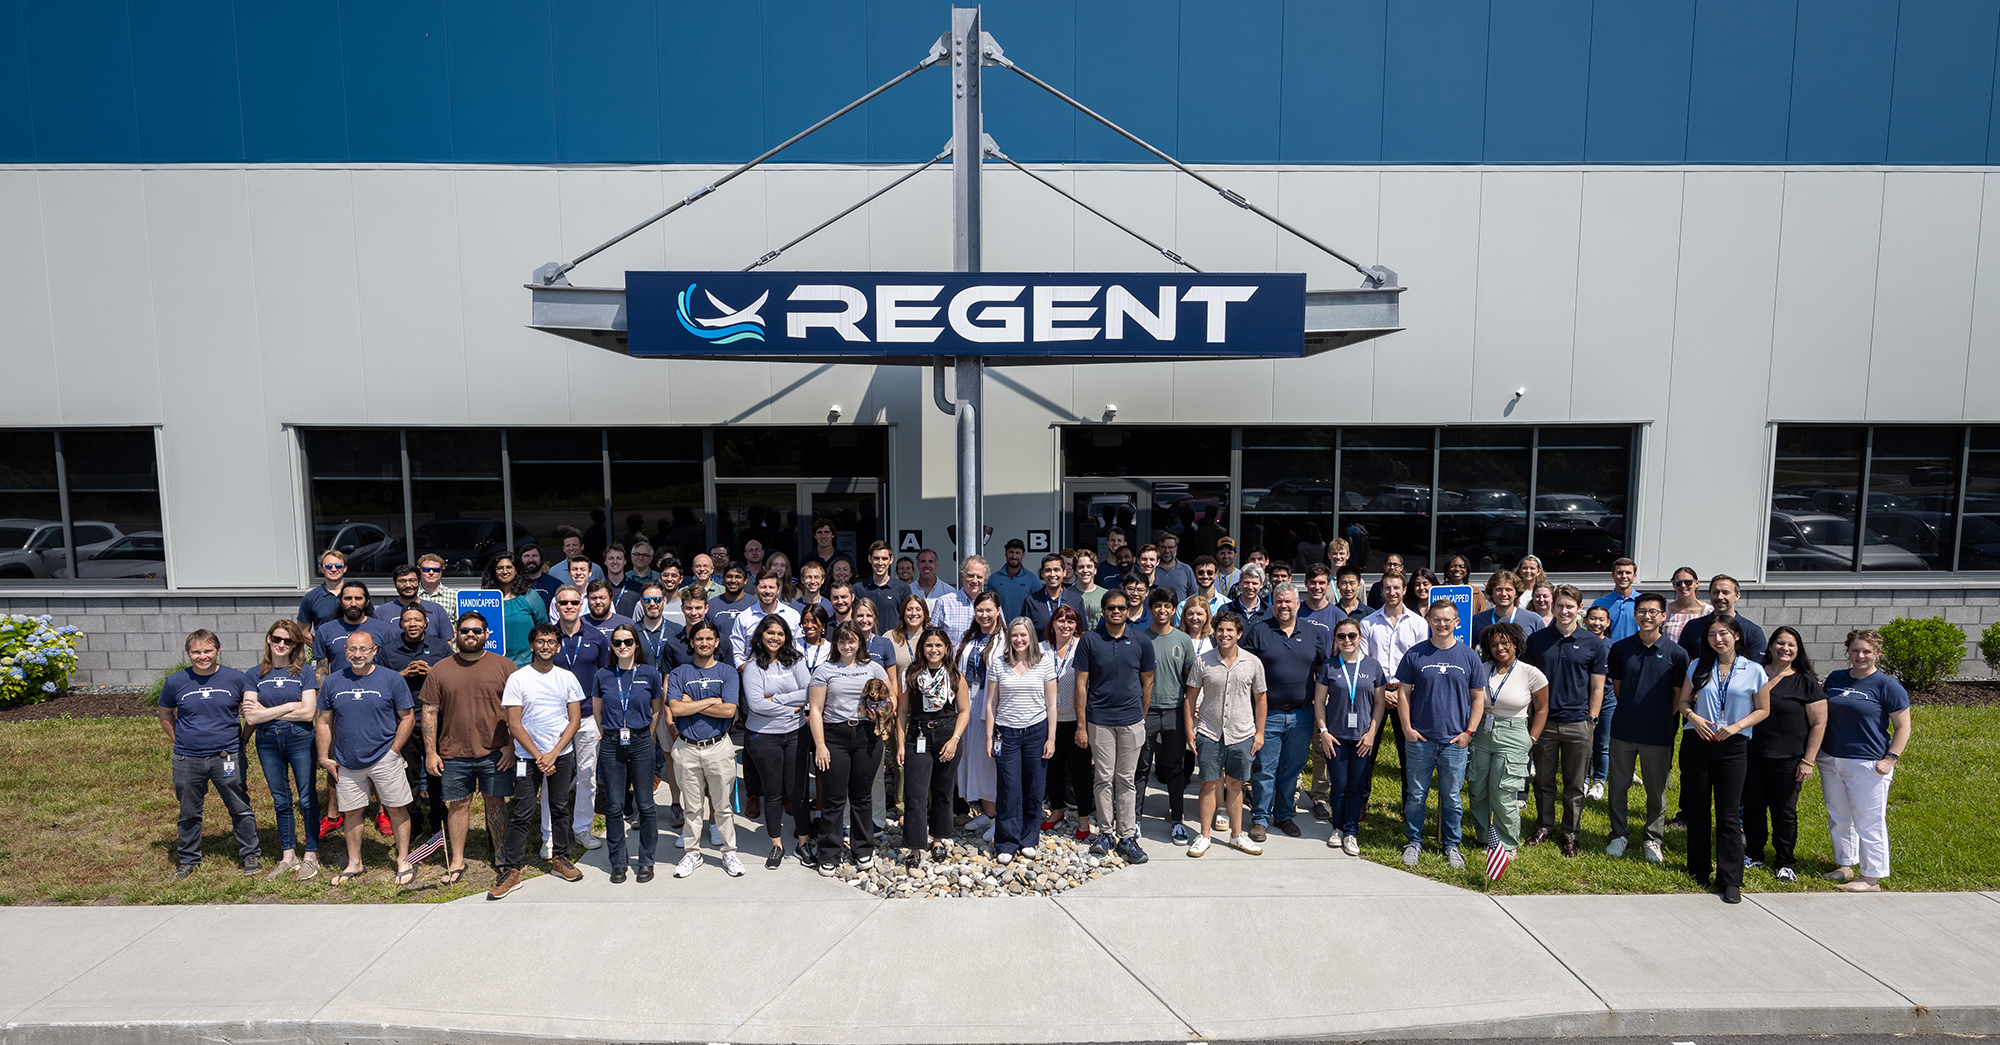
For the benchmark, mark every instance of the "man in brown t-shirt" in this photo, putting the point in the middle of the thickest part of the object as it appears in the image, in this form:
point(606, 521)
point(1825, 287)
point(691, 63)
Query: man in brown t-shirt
point(465, 737)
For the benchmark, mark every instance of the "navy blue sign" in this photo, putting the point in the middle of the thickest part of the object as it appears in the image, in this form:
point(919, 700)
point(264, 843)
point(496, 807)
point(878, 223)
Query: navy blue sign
point(1056, 314)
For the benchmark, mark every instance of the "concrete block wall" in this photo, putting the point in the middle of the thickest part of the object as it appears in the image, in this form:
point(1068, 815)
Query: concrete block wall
point(129, 641)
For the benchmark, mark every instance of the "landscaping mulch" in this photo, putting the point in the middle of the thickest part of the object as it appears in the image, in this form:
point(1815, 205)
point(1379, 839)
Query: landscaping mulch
point(91, 703)
point(1963, 694)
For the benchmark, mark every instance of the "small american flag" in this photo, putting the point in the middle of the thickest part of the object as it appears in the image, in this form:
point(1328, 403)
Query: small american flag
point(1498, 856)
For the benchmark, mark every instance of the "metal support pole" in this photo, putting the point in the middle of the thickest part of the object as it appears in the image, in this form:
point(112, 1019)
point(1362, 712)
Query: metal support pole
point(62, 506)
point(967, 152)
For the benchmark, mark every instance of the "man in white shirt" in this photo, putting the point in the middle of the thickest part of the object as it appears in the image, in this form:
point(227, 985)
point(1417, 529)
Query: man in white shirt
point(953, 612)
point(544, 708)
point(1386, 635)
point(929, 584)
point(769, 586)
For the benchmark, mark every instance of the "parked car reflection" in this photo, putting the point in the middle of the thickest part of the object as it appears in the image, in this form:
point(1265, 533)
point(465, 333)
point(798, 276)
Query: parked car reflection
point(34, 547)
point(1818, 541)
point(139, 555)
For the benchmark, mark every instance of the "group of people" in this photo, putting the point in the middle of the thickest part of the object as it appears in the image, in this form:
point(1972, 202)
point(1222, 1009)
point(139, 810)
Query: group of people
point(1033, 700)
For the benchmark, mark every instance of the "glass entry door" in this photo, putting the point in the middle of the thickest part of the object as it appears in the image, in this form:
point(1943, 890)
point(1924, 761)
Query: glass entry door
point(1194, 509)
point(781, 514)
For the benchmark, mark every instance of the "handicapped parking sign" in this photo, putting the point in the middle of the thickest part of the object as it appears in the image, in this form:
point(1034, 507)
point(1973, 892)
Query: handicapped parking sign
point(486, 602)
point(1459, 595)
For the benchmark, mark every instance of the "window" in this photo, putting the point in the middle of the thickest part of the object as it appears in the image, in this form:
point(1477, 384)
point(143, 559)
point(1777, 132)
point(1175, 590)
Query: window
point(1901, 498)
point(113, 489)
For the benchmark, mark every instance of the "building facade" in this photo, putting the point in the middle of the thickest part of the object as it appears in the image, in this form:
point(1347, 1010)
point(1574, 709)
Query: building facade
point(1706, 284)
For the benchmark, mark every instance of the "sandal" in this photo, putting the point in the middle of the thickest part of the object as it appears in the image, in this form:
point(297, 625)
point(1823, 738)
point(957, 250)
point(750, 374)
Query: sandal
point(407, 875)
point(344, 877)
point(451, 877)
point(1839, 874)
point(1861, 885)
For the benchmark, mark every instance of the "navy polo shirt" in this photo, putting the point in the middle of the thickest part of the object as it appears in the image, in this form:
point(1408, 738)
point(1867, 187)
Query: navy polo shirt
point(318, 606)
point(691, 682)
point(1250, 615)
point(365, 713)
point(1569, 661)
point(1648, 677)
point(1442, 681)
point(1115, 697)
point(436, 623)
point(1695, 635)
point(399, 654)
point(627, 697)
point(582, 654)
point(1292, 663)
point(1039, 607)
point(206, 708)
point(1326, 617)
point(885, 597)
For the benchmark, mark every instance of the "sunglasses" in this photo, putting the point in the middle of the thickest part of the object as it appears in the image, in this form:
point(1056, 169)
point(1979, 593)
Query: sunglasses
point(472, 631)
point(1684, 584)
point(430, 569)
point(652, 598)
point(568, 602)
point(333, 566)
point(278, 640)
point(621, 643)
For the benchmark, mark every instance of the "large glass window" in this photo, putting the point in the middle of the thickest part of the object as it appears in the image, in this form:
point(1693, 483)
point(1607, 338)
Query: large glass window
point(1931, 501)
point(114, 506)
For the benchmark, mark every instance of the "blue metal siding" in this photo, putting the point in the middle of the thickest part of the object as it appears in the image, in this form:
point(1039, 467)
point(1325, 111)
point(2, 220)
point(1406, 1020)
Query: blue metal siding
point(1222, 81)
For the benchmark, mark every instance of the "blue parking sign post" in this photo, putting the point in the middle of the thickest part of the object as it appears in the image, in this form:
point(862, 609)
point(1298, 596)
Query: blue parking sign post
point(486, 602)
point(1459, 595)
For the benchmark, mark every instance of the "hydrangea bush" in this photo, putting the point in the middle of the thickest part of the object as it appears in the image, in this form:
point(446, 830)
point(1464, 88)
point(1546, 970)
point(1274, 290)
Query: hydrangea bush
point(36, 658)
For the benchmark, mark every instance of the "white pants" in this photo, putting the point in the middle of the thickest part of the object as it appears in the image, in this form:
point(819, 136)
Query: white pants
point(586, 785)
point(1857, 813)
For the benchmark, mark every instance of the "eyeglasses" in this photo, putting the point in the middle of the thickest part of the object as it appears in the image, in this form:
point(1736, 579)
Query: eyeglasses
point(622, 643)
point(430, 569)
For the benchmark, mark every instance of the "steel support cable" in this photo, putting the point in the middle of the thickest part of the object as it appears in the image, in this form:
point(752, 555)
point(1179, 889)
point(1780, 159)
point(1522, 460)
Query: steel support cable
point(1115, 223)
point(864, 201)
point(1374, 274)
point(548, 274)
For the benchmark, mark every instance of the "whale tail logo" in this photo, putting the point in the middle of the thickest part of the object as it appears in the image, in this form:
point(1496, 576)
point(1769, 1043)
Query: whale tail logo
point(733, 325)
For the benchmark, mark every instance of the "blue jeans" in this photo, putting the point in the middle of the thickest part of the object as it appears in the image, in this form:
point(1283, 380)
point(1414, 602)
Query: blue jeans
point(1019, 776)
point(1600, 742)
point(1288, 735)
point(622, 766)
point(1448, 760)
point(1349, 777)
point(282, 746)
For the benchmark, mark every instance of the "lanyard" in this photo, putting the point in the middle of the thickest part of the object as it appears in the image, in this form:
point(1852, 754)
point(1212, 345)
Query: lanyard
point(1722, 689)
point(1062, 662)
point(571, 654)
point(653, 645)
point(1353, 682)
point(813, 661)
point(1511, 614)
point(624, 691)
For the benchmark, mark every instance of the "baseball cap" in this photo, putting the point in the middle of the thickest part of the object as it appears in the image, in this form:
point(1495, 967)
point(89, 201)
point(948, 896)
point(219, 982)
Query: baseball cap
point(1225, 542)
point(1016, 543)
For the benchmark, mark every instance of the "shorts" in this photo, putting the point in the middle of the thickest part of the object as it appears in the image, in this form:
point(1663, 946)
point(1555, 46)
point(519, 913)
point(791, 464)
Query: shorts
point(388, 778)
point(1215, 759)
point(461, 773)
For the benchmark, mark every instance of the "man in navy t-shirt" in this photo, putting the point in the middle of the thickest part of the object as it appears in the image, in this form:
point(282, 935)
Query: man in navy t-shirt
point(1293, 650)
point(357, 613)
point(1646, 671)
point(1575, 662)
point(411, 656)
point(368, 718)
point(1443, 687)
point(199, 709)
point(1040, 605)
point(1114, 684)
point(322, 601)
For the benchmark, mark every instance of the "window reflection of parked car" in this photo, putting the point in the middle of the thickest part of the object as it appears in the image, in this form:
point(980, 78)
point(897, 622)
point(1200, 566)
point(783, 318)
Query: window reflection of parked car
point(1792, 502)
point(1573, 507)
point(1818, 541)
point(1928, 534)
point(466, 546)
point(1563, 545)
point(1842, 502)
point(139, 555)
point(345, 536)
point(1297, 495)
point(34, 547)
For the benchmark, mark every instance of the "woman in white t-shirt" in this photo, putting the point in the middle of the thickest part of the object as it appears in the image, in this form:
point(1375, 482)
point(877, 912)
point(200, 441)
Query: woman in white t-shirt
point(1197, 618)
point(1069, 780)
point(1497, 764)
point(847, 749)
point(1020, 705)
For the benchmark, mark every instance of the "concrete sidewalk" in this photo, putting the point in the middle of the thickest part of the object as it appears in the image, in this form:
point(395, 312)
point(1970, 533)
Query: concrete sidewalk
point(1176, 950)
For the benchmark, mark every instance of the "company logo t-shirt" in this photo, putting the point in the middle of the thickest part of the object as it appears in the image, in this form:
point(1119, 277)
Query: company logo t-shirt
point(1442, 681)
point(1857, 714)
point(206, 709)
point(365, 710)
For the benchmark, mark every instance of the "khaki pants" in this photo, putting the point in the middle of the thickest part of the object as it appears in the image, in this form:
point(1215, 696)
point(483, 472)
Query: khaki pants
point(707, 770)
point(1114, 756)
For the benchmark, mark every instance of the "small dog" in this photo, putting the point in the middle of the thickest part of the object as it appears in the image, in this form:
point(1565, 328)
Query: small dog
point(875, 702)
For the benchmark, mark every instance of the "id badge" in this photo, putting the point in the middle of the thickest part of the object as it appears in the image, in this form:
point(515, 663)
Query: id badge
point(228, 767)
point(1353, 720)
point(624, 736)
point(921, 748)
point(521, 768)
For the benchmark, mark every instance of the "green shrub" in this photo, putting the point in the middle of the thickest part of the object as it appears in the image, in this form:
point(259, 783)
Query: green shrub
point(1989, 647)
point(36, 658)
point(1922, 653)
point(151, 698)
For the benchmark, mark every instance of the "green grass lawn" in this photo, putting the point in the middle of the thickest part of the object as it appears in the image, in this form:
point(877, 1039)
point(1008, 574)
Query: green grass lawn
point(87, 817)
point(1941, 832)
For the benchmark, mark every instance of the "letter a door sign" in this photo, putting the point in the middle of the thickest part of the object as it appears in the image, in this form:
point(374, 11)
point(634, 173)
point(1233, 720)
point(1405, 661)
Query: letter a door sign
point(909, 541)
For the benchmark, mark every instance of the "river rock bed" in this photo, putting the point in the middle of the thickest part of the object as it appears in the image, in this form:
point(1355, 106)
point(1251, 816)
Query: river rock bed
point(1061, 863)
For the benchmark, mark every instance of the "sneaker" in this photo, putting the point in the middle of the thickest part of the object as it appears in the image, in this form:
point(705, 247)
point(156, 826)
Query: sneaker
point(308, 867)
point(675, 817)
point(775, 860)
point(1006, 858)
point(1321, 811)
point(184, 870)
point(1410, 854)
point(508, 882)
point(715, 835)
point(987, 835)
point(732, 865)
point(687, 865)
point(1455, 858)
point(1100, 846)
point(588, 840)
point(565, 870)
point(979, 823)
point(1350, 845)
point(1029, 853)
point(383, 825)
point(863, 863)
point(1749, 863)
point(827, 868)
point(424, 851)
point(1245, 844)
point(1179, 834)
point(1198, 846)
point(251, 868)
point(1616, 847)
point(328, 825)
point(1655, 854)
point(1731, 894)
point(1786, 874)
point(1290, 828)
point(1129, 849)
point(1596, 791)
point(1333, 840)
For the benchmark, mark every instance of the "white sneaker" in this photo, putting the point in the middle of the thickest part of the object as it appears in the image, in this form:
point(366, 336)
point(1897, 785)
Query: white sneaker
point(1410, 854)
point(988, 833)
point(979, 823)
point(588, 840)
point(1198, 846)
point(1351, 845)
point(1654, 855)
point(1596, 791)
point(1029, 853)
point(1006, 858)
point(1245, 844)
point(1615, 848)
point(688, 864)
point(548, 849)
point(1454, 858)
point(1333, 840)
point(731, 864)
